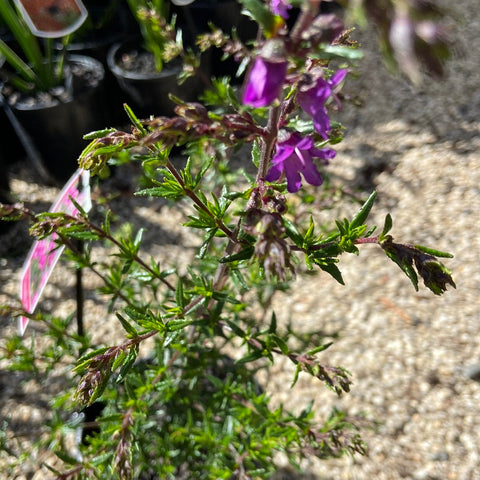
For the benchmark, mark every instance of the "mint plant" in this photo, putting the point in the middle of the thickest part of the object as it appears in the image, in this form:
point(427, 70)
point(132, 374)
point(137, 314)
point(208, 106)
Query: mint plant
point(194, 407)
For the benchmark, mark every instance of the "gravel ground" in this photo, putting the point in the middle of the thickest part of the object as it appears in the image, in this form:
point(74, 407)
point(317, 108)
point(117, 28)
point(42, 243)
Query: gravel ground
point(414, 357)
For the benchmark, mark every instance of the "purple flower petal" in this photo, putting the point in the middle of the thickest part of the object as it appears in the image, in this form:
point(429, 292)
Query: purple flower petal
point(312, 101)
point(280, 7)
point(337, 77)
point(265, 82)
point(294, 157)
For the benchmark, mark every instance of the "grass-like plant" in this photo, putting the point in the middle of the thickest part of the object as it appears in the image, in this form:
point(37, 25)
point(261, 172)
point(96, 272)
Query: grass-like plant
point(157, 32)
point(38, 67)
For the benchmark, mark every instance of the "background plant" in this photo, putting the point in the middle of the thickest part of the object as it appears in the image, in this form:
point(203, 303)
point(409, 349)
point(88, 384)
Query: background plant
point(192, 407)
point(41, 68)
point(157, 29)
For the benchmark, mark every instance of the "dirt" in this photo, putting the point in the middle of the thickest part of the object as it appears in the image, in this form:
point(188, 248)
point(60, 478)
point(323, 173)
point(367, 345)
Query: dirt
point(80, 74)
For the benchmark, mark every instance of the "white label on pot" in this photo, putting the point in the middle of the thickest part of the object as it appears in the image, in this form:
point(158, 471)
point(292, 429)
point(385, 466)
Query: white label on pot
point(44, 253)
point(52, 18)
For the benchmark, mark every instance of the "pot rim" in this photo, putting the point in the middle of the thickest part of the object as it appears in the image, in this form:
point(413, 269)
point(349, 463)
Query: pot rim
point(71, 58)
point(170, 69)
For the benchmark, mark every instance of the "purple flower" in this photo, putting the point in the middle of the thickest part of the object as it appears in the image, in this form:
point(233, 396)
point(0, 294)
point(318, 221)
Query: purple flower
point(294, 156)
point(312, 100)
point(280, 7)
point(265, 82)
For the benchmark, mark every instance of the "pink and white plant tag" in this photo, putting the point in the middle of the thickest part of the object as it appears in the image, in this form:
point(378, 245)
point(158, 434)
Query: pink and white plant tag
point(52, 18)
point(44, 253)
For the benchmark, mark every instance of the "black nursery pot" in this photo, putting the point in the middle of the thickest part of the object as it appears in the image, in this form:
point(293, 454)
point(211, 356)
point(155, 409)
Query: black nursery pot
point(109, 22)
point(147, 91)
point(56, 130)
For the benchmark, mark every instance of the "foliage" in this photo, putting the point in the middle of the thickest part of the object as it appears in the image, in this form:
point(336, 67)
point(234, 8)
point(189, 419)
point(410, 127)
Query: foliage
point(193, 405)
point(160, 36)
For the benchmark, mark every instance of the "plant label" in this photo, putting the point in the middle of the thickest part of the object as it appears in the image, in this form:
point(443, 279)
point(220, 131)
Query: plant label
point(44, 253)
point(52, 18)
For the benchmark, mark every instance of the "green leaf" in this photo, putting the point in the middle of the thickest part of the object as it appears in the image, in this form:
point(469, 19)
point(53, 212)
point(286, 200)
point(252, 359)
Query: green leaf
point(273, 324)
point(128, 362)
point(135, 121)
point(309, 235)
point(319, 349)
point(362, 215)
point(405, 262)
point(339, 51)
point(333, 270)
point(127, 326)
point(120, 357)
point(432, 251)
point(280, 342)
point(62, 455)
point(85, 359)
point(256, 153)
point(298, 369)
point(236, 329)
point(169, 188)
point(243, 254)
point(224, 297)
point(341, 228)
point(251, 357)
point(262, 15)
point(292, 232)
point(386, 227)
point(179, 298)
point(98, 133)
point(210, 234)
point(174, 325)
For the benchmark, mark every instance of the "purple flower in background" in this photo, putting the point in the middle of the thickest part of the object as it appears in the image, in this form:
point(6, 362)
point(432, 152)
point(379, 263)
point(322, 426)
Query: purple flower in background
point(312, 99)
point(294, 156)
point(265, 82)
point(280, 7)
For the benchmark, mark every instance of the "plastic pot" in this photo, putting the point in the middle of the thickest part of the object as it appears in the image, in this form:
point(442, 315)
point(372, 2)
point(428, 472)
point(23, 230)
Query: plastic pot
point(227, 15)
point(147, 91)
point(56, 130)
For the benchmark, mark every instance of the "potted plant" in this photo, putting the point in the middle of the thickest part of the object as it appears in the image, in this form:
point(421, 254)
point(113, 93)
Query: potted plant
point(51, 98)
point(155, 64)
point(108, 22)
point(198, 16)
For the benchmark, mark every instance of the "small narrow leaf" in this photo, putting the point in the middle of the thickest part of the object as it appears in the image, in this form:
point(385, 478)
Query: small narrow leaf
point(259, 12)
point(174, 325)
point(386, 227)
point(85, 359)
point(362, 215)
point(98, 134)
point(127, 364)
point(127, 326)
point(282, 345)
point(333, 270)
point(292, 232)
point(319, 349)
point(251, 357)
point(432, 251)
point(179, 298)
point(243, 254)
point(135, 121)
point(273, 324)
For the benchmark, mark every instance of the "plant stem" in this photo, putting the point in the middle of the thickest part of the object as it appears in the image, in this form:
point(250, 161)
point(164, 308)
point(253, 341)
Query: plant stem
point(193, 196)
point(134, 256)
point(359, 241)
point(268, 143)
